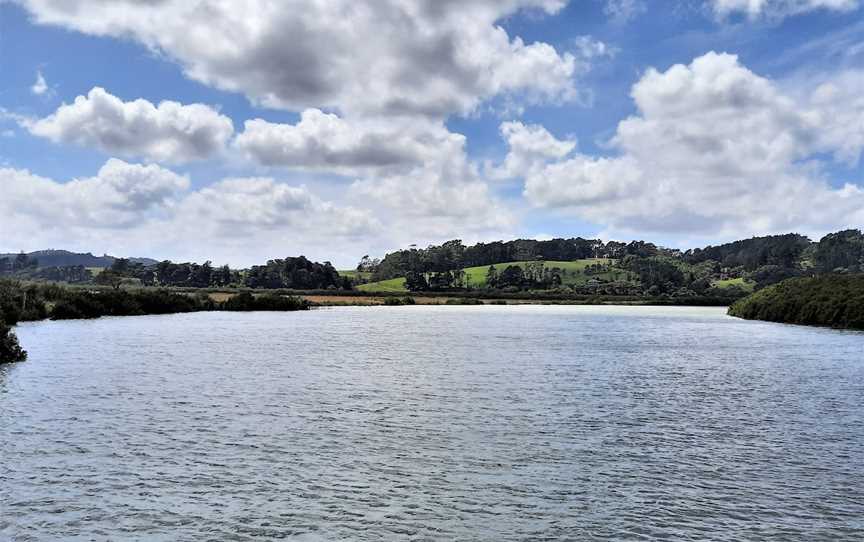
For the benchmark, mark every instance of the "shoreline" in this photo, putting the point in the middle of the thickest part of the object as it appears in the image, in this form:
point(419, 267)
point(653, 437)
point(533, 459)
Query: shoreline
point(382, 300)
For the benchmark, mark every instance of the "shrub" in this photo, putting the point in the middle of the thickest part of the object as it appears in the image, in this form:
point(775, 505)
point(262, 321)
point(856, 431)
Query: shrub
point(464, 301)
point(10, 350)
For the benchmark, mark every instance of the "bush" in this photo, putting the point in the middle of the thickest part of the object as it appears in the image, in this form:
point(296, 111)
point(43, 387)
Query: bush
point(398, 301)
point(10, 350)
point(269, 302)
point(464, 301)
point(828, 300)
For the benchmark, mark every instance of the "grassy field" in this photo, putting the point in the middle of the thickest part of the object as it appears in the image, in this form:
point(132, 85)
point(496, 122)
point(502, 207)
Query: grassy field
point(354, 274)
point(392, 285)
point(574, 273)
point(740, 282)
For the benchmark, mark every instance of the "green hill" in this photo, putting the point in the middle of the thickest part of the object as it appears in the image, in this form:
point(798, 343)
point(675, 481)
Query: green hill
point(354, 274)
point(392, 285)
point(573, 273)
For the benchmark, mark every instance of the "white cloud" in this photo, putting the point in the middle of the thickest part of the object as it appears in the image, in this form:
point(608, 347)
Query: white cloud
point(121, 195)
point(40, 87)
point(132, 209)
point(718, 150)
point(442, 197)
point(780, 8)
point(427, 57)
point(531, 147)
point(413, 172)
point(325, 141)
point(168, 131)
point(261, 206)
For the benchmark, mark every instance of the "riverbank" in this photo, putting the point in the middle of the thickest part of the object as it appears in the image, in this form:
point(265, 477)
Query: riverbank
point(835, 301)
point(33, 302)
point(483, 298)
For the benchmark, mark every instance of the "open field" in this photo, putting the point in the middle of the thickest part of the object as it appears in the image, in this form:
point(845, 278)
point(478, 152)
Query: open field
point(573, 274)
point(573, 271)
point(354, 274)
point(740, 282)
point(392, 285)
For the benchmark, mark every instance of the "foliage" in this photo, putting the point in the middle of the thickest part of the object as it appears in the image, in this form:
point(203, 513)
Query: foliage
point(296, 273)
point(464, 301)
point(10, 350)
point(782, 250)
point(660, 274)
point(368, 265)
point(772, 274)
point(89, 304)
point(841, 251)
point(269, 302)
point(454, 255)
point(828, 300)
point(399, 301)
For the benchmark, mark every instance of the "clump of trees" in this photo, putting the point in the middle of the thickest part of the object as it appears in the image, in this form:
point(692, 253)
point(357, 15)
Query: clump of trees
point(289, 273)
point(841, 252)
point(368, 265)
point(750, 254)
point(10, 350)
point(79, 305)
point(454, 255)
point(20, 302)
point(269, 302)
point(20, 263)
point(828, 300)
point(297, 274)
point(528, 276)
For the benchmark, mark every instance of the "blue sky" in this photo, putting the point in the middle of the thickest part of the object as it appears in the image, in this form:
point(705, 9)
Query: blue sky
point(366, 144)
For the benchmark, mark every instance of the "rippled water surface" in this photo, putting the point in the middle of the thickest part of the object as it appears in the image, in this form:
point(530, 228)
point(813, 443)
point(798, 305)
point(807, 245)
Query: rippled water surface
point(433, 423)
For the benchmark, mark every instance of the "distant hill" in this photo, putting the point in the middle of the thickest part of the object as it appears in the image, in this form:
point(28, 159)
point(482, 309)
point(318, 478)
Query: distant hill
point(65, 258)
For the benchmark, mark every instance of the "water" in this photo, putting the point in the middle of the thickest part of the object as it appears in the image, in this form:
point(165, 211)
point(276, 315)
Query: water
point(434, 423)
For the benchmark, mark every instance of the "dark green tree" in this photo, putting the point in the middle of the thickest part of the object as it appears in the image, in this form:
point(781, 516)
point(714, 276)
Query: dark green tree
point(10, 350)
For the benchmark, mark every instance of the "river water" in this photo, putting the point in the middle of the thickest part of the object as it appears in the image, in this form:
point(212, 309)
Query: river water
point(433, 423)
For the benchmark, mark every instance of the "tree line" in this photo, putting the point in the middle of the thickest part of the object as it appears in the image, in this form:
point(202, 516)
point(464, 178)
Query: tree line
point(827, 300)
point(290, 273)
point(761, 261)
point(32, 301)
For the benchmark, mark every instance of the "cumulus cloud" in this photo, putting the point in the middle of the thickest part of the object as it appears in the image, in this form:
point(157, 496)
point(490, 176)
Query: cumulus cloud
point(715, 149)
point(168, 131)
point(149, 210)
point(415, 172)
point(780, 8)
point(325, 141)
point(531, 146)
point(429, 57)
point(119, 196)
point(443, 196)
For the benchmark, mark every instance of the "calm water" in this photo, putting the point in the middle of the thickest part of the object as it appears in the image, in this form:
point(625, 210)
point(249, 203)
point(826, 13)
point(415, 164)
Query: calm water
point(434, 423)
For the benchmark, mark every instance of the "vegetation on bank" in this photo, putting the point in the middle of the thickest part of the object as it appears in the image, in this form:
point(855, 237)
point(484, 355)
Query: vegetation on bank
point(27, 302)
point(562, 268)
point(828, 300)
point(10, 350)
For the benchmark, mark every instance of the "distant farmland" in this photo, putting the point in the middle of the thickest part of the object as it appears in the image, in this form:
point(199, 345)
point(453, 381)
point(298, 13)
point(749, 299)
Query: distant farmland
point(573, 273)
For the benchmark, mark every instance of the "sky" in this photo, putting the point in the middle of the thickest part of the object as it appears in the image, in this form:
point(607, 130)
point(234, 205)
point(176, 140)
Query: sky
point(239, 131)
